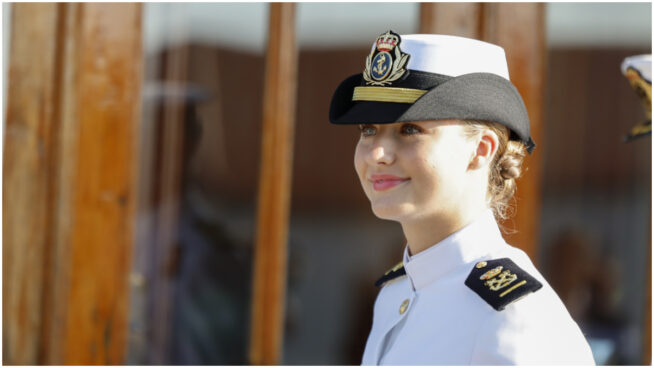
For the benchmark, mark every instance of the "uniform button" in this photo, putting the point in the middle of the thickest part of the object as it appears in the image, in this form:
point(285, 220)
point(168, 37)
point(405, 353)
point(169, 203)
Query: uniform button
point(404, 306)
point(481, 264)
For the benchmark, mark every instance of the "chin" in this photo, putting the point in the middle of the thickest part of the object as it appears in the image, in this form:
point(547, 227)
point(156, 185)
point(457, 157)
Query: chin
point(393, 212)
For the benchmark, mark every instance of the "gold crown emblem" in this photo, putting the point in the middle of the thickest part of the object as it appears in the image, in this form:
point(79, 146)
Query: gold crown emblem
point(492, 273)
point(387, 41)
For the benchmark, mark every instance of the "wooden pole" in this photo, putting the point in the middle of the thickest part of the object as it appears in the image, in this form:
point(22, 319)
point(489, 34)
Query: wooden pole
point(520, 29)
point(269, 289)
point(68, 199)
point(458, 19)
point(101, 110)
point(28, 177)
point(165, 239)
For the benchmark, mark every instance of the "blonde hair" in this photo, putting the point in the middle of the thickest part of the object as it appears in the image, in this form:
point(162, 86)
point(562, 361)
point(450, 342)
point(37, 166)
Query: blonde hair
point(505, 168)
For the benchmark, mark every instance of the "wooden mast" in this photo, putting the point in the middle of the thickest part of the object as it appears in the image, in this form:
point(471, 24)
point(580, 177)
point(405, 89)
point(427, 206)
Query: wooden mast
point(271, 252)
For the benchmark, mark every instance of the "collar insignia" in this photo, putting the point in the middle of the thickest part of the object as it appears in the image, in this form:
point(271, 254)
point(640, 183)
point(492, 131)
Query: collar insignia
point(395, 272)
point(386, 61)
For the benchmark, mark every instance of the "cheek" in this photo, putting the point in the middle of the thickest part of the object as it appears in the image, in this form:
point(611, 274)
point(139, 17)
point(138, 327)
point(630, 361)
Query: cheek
point(438, 169)
point(435, 171)
point(425, 161)
point(359, 161)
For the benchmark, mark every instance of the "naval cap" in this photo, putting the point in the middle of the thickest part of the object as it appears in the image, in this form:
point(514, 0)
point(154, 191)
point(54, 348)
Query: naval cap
point(432, 77)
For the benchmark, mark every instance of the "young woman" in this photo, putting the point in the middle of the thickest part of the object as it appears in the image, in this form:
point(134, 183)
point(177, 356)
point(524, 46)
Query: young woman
point(443, 135)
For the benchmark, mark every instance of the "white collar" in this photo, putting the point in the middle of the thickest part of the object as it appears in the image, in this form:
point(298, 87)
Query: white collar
point(465, 245)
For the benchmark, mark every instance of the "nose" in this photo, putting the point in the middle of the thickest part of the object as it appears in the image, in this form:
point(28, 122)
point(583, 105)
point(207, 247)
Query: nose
point(381, 155)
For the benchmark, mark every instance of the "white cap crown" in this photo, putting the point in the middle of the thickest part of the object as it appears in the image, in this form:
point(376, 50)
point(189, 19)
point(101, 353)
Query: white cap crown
point(453, 56)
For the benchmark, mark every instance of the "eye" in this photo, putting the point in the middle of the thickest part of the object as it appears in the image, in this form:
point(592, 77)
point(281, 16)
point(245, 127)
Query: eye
point(410, 129)
point(367, 130)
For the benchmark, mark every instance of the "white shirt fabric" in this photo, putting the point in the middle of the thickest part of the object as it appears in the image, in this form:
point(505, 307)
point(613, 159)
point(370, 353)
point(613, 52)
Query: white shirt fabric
point(447, 323)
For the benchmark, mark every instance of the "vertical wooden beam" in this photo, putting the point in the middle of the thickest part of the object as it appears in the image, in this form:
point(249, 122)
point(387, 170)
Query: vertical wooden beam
point(28, 177)
point(458, 19)
point(269, 290)
point(58, 262)
point(520, 29)
point(169, 182)
point(70, 147)
point(108, 62)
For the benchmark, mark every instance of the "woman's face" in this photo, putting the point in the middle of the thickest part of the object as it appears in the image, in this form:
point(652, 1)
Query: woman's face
point(414, 171)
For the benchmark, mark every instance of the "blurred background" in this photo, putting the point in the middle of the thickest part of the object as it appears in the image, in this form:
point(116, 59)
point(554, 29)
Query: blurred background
point(133, 176)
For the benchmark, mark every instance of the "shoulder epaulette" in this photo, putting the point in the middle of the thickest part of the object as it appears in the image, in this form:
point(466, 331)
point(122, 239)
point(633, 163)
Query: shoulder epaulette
point(396, 271)
point(500, 282)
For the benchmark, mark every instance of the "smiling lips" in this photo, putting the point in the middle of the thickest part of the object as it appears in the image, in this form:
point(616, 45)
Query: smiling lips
point(383, 182)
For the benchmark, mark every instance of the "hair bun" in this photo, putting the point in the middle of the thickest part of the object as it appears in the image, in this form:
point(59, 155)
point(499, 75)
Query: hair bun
point(510, 163)
point(510, 172)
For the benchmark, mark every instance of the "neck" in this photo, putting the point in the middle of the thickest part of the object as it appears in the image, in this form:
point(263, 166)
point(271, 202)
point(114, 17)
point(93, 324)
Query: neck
point(424, 233)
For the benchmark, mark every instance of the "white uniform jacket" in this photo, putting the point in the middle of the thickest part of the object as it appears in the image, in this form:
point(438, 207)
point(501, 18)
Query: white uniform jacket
point(430, 317)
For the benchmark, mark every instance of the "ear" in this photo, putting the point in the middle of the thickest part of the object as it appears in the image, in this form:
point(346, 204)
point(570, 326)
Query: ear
point(486, 149)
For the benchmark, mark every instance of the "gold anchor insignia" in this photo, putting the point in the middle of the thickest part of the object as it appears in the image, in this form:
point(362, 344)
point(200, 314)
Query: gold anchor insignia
point(380, 68)
point(503, 280)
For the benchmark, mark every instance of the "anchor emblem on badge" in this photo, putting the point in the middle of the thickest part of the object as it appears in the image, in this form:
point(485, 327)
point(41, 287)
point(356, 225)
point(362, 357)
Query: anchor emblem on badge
point(386, 61)
point(382, 65)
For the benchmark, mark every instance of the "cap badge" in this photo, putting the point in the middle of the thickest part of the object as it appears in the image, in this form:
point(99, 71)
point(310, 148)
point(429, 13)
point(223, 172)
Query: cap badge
point(386, 61)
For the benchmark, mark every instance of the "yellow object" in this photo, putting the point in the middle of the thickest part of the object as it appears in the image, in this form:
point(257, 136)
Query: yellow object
point(482, 264)
point(395, 268)
point(404, 306)
point(513, 287)
point(492, 273)
point(502, 281)
point(643, 89)
point(387, 94)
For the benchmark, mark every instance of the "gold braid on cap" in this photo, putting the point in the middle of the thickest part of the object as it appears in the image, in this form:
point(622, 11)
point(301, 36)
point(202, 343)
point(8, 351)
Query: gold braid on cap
point(387, 94)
